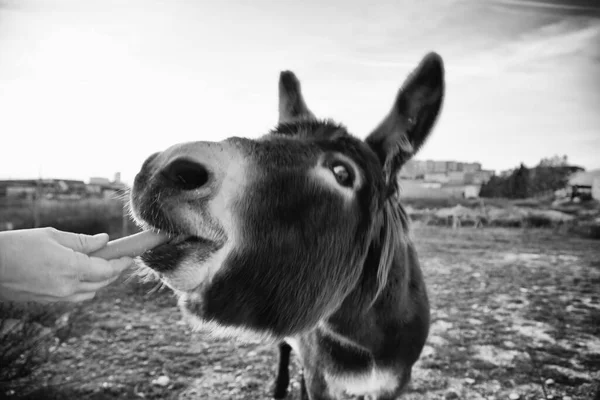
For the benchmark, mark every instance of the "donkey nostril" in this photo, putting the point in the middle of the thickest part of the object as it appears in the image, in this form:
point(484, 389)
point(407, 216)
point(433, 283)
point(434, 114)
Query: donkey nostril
point(186, 174)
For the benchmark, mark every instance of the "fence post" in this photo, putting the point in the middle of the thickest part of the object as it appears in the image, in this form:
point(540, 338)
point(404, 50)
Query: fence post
point(36, 204)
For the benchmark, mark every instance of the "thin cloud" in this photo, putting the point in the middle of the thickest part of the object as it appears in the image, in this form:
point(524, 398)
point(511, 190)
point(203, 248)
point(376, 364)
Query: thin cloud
point(584, 6)
point(453, 69)
point(541, 47)
point(480, 41)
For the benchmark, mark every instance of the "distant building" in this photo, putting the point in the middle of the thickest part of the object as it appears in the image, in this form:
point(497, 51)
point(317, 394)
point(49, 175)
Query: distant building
point(469, 177)
point(60, 188)
point(99, 181)
point(417, 188)
point(456, 176)
point(429, 166)
point(586, 181)
point(48, 188)
point(440, 177)
point(471, 167)
point(440, 166)
point(462, 191)
point(453, 172)
point(409, 170)
point(103, 187)
point(431, 185)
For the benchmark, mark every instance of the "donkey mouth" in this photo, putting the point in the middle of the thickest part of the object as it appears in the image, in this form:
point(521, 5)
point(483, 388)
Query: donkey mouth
point(168, 256)
point(181, 240)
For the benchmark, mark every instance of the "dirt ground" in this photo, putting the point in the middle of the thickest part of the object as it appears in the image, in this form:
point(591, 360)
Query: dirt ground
point(516, 314)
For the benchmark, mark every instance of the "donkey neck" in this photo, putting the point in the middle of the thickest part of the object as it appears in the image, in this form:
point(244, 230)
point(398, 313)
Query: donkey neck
point(400, 307)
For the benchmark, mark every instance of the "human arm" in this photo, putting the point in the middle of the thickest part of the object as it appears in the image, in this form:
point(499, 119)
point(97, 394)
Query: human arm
point(47, 265)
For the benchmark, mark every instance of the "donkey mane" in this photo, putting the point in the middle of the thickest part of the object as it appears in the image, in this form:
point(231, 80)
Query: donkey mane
point(394, 225)
point(317, 128)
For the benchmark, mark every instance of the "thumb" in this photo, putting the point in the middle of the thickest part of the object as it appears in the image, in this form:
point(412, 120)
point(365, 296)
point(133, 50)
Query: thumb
point(82, 243)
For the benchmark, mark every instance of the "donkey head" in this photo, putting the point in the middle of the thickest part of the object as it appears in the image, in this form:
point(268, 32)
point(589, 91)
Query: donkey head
point(273, 232)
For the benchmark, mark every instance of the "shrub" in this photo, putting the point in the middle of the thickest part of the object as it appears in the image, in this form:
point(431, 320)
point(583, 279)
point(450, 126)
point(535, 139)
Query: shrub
point(538, 221)
point(27, 335)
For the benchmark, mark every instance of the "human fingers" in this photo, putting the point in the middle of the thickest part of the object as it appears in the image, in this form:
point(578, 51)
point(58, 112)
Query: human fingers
point(92, 287)
point(80, 242)
point(94, 269)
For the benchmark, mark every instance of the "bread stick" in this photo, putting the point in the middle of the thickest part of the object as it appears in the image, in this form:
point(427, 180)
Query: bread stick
point(131, 246)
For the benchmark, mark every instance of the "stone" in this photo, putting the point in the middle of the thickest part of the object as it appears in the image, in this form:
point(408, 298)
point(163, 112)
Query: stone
point(161, 381)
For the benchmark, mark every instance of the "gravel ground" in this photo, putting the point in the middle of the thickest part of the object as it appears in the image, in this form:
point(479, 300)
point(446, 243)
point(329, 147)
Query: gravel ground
point(516, 315)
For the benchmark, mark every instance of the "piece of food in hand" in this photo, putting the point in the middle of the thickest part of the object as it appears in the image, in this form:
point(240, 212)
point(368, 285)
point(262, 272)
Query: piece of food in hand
point(131, 246)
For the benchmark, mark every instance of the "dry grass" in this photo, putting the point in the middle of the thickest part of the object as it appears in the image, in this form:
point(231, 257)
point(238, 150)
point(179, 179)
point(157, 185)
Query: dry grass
point(427, 202)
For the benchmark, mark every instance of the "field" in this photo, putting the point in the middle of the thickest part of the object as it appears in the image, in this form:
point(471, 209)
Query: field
point(90, 216)
point(515, 312)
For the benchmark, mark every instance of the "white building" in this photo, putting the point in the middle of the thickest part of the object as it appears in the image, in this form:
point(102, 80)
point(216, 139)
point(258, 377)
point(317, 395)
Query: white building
point(587, 179)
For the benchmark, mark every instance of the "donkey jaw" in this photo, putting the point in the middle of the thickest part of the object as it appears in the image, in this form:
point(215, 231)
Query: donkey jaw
point(186, 262)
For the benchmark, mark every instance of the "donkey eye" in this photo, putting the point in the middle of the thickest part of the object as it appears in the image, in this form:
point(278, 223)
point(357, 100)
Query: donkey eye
point(342, 174)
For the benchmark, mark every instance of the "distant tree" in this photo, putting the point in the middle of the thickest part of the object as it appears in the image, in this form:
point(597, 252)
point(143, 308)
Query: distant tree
point(518, 183)
point(550, 174)
point(555, 161)
point(495, 187)
point(514, 186)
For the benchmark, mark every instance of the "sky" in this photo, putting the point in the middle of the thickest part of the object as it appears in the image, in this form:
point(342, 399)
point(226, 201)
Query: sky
point(92, 87)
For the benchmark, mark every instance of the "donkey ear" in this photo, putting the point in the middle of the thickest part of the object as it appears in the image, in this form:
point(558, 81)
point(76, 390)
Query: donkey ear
point(404, 130)
point(292, 106)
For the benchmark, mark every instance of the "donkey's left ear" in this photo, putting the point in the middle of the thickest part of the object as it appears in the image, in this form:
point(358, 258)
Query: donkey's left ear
point(402, 133)
point(292, 106)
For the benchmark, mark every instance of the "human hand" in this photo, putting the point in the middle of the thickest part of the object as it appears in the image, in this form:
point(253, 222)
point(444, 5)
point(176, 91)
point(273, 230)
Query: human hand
point(47, 265)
